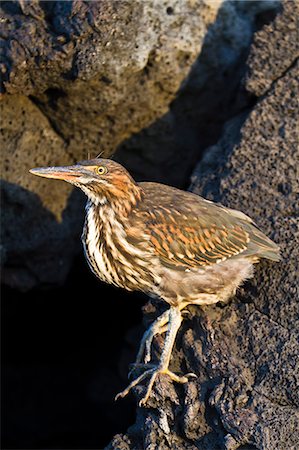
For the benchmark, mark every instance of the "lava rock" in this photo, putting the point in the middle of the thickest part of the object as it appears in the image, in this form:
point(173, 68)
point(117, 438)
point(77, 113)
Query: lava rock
point(101, 70)
point(40, 224)
point(280, 40)
point(260, 330)
point(168, 149)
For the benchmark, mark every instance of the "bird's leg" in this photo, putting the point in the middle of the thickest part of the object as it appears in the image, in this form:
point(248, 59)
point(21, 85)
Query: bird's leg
point(175, 319)
point(159, 326)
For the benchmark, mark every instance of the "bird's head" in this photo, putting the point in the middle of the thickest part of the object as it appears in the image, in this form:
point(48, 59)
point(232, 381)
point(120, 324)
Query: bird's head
point(102, 180)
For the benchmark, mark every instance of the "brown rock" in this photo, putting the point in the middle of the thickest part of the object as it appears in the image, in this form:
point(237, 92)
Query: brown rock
point(40, 230)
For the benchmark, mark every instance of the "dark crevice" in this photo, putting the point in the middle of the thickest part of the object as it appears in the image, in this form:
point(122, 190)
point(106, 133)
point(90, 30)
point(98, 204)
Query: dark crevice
point(61, 376)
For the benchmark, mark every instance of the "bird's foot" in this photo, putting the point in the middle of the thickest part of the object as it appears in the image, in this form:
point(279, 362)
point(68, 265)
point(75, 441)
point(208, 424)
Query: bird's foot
point(153, 373)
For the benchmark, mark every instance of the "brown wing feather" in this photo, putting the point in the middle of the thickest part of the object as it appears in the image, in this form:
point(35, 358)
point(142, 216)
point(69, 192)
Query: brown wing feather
point(191, 245)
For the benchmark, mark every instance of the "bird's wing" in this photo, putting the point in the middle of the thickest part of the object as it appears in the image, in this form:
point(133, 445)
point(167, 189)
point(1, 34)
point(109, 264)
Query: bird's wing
point(187, 231)
point(190, 243)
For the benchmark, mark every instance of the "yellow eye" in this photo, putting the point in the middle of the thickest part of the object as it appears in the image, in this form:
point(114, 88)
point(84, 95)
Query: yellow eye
point(101, 170)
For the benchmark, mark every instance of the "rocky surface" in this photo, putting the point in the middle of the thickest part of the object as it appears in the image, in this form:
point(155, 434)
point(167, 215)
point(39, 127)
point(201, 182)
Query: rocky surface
point(40, 226)
point(77, 79)
point(245, 353)
point(168, 149)
point(280, 40)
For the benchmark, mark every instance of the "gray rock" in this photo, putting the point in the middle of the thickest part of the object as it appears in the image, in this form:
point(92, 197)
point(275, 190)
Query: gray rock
point(280, 40)
point(107, 68)
point(40, 225)
point(246, 353)
point(168, 149)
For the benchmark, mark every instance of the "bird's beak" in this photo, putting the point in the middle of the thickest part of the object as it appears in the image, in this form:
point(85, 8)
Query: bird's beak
point(67, 173)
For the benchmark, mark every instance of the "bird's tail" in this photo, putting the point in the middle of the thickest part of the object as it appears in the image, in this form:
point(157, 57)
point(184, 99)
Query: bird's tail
point(262, 246)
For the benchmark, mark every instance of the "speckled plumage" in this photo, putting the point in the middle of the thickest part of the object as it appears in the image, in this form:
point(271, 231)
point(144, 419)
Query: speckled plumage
point(163, 241)
point(173, 244)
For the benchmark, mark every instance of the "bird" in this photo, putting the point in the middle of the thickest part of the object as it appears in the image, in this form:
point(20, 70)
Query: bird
point(166, 242)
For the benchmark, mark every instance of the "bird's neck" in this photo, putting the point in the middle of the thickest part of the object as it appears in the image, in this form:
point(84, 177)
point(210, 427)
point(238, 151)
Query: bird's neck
point(109, 252)
point(119, 204)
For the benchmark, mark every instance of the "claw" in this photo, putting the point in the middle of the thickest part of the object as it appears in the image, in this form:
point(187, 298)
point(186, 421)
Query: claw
point(191, 375)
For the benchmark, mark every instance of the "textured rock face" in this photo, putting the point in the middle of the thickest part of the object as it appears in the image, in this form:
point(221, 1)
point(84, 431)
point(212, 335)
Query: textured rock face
point(93, 62)
point(168, 149)
point(245, 354)
point(280, 40)
point(78, 78)
point(37, 221)
point(259, 178)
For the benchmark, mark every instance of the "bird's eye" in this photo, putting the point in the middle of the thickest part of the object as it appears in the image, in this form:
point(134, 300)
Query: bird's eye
point(101, 170)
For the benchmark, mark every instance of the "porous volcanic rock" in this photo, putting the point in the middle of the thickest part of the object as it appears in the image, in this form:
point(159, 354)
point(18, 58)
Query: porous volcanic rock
point(40, 224)
point(245, 353)
point(77, 79)
point(280, 40)
point(168, 149)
